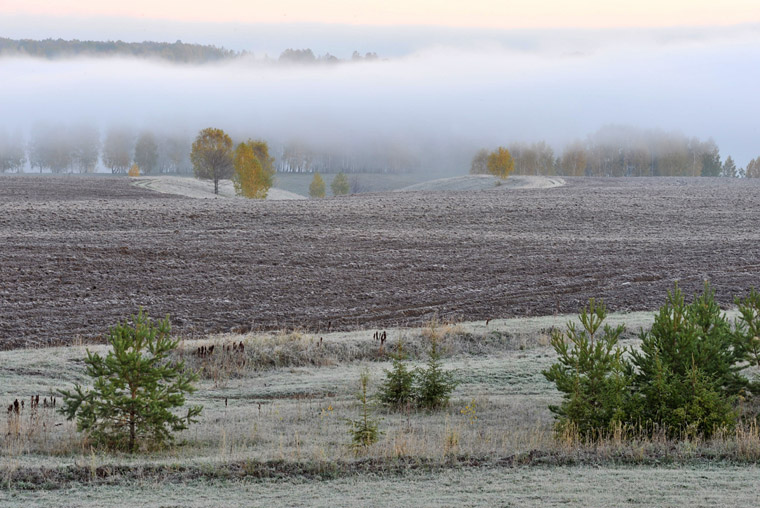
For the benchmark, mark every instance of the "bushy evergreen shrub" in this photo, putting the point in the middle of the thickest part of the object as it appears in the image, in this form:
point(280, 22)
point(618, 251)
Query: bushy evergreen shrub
point(429, 387)
point(136, 389)
point(398, 388)
point(591, 373)
point(433, 385)
point(687, 371)
point(684, 379)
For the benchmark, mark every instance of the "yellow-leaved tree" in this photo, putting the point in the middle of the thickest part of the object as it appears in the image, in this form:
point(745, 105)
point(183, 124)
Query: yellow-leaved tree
point(252, 178)
point(134, 170)
point(211, 156)
point(317, 187)
point(500, 163)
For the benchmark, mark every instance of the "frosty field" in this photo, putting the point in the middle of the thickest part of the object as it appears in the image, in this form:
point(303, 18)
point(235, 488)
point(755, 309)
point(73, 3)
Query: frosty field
point(305, 284)
point(81, 253)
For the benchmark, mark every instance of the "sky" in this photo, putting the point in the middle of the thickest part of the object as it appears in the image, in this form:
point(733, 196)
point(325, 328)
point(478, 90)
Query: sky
point(455, 76)
point(499, 14)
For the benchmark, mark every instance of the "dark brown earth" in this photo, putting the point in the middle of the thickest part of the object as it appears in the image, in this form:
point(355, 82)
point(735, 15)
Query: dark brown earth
point(79, 253)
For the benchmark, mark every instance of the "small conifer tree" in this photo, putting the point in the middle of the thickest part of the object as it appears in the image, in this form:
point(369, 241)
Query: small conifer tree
point(591, 373)
point(433, 384)
point(748, 328)
point(687, 370)
point(398, 389)
point(364, 430)
point(136, 388)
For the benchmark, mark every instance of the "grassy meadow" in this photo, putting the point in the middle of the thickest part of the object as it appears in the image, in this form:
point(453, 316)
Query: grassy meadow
point(274, 431)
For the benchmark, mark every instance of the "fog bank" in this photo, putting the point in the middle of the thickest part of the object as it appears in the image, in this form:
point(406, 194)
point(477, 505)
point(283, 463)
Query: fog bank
point(442, 102)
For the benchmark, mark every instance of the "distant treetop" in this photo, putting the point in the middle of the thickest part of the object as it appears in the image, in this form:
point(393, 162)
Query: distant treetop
point(59, 48)
point(178, 52)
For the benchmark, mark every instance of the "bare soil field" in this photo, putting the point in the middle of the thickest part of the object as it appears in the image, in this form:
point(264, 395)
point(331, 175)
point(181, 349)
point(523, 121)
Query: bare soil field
point(79, 253)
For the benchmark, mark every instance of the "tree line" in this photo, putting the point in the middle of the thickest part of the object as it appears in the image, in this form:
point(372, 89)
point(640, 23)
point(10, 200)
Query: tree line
point(388, 158)
point(79, 148)
point(58, 48)
point(307, 56)
point(177, 52)
point(59, 148)
point(622, 151)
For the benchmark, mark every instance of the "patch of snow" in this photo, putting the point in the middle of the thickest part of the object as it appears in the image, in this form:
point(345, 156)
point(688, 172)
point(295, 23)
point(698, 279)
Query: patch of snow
point(482, 182)
point(201, 189)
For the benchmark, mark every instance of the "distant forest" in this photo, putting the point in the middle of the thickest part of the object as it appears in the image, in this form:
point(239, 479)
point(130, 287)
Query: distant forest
point(611, 151)
point(178, 52)
point(80, 148)
point(619, 150)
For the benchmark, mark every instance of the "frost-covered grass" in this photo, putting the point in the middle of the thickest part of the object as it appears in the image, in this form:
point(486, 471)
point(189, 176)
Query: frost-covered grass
point(288, 419)
point(541, 487)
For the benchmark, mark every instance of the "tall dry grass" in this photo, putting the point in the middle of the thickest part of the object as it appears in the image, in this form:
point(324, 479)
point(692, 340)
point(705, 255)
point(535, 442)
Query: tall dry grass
point(295, 348)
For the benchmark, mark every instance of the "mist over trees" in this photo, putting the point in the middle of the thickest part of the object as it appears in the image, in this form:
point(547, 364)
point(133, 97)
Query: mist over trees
point(85, 147)
point(610, 151)
point(118, 149)
point(427, 111)
point(146, 153)
point(753, 168)
point(51, 148)
point(620, 151)
point(78, 148)
point(12, 152)
point(394, 158)
point(58, 48)
point(176, 52)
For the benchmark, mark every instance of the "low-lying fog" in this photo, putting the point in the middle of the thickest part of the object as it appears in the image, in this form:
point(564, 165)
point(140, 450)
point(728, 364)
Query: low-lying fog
point(444, 102)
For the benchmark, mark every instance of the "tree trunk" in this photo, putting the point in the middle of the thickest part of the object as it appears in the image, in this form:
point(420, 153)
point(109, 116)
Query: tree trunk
point(132, 418)
point(131, 431)
point(216, 186)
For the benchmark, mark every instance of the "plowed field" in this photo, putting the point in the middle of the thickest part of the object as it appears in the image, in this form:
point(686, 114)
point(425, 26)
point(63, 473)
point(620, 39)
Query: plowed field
point(79, 253)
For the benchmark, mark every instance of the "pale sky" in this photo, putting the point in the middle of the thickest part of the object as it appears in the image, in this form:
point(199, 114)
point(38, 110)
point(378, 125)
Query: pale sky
point(458, 75)
point(500, 14)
